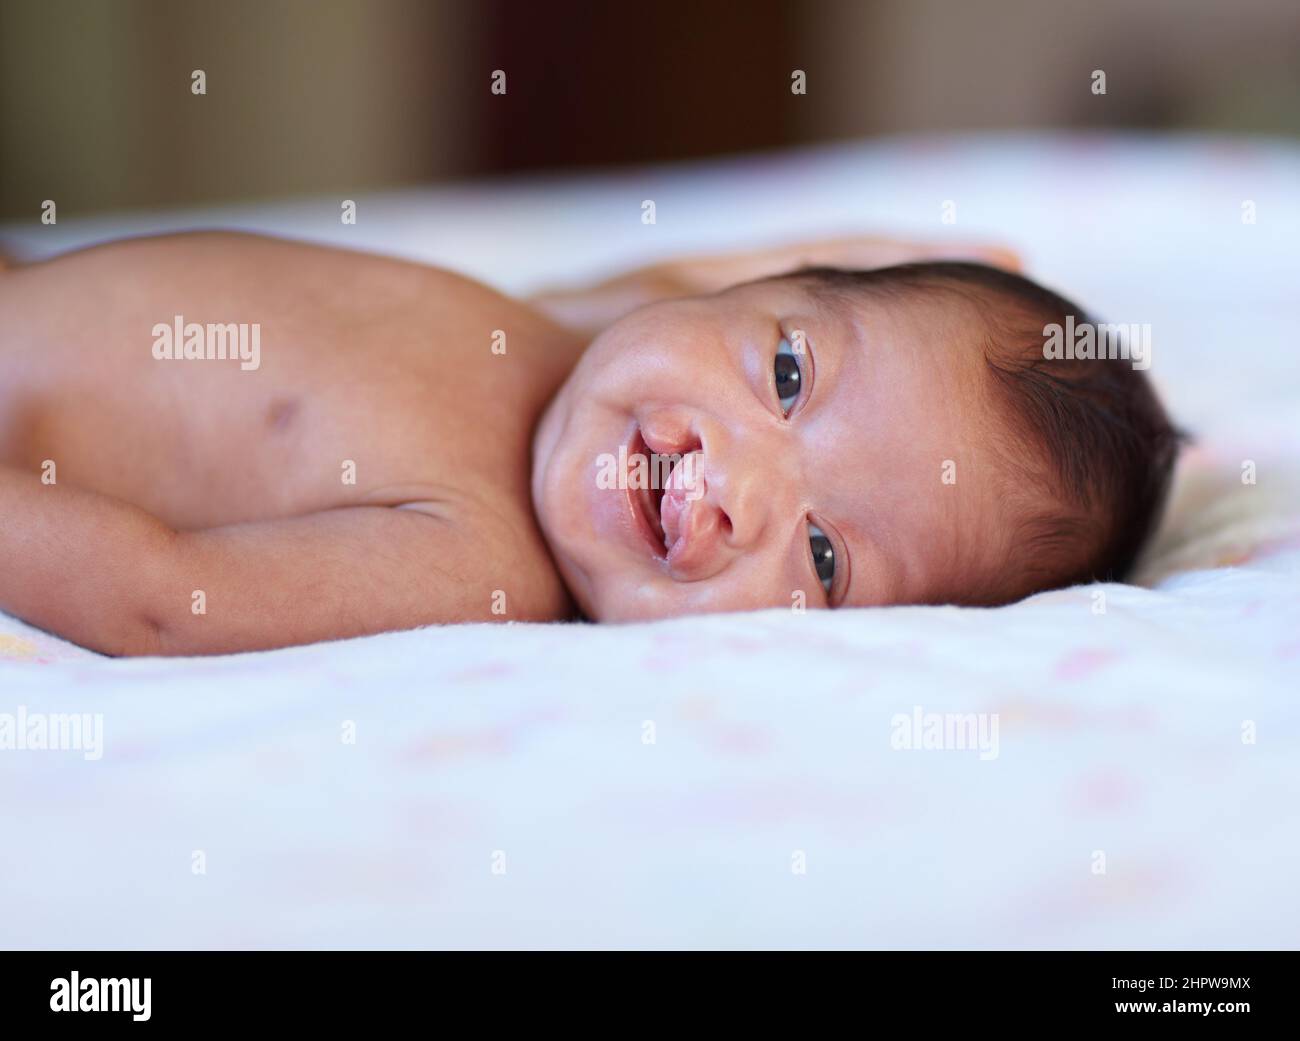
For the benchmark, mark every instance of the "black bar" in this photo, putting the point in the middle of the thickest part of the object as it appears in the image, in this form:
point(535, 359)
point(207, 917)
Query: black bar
point(624, 991)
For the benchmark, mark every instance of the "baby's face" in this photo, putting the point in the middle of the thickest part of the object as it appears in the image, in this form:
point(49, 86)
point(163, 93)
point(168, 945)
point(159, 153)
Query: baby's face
point(830, 452)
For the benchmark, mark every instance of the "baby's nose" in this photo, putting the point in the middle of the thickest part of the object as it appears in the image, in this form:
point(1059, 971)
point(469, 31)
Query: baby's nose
point(745, 477)
point(712, 510)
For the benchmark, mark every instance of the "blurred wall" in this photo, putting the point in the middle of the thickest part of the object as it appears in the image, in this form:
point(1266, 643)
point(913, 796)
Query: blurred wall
point(907, 65)
point(339, 96)
point(96, 109)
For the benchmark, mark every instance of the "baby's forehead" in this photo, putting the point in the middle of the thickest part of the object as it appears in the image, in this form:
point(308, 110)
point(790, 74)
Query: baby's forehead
point(936, 342)
point(963, 314)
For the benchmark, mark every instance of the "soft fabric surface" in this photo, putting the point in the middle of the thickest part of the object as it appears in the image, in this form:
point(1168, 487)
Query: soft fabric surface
point(732, 781)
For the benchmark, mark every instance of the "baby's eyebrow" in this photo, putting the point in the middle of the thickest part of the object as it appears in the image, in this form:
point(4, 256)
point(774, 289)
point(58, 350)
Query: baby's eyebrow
point(870, 561)
point(888, 576)
point(858, 556)
point(834, 310)
point(843, 313)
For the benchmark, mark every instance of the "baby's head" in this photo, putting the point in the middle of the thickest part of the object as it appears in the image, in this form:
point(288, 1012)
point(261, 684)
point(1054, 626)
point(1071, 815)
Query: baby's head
point(846, 438)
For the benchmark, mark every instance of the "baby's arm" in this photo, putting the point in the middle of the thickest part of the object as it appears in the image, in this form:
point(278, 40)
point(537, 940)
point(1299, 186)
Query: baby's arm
point(590, 309)
point(115, 579)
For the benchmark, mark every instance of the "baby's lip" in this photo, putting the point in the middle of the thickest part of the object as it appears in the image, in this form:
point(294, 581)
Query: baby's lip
point(656, 438)
point(665, 439)
point(644, 502)
point(685, 486)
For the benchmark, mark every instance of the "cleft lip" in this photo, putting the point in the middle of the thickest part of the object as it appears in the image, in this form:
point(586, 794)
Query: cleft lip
point(660, 440)
point(645, 502)
point(682, 527)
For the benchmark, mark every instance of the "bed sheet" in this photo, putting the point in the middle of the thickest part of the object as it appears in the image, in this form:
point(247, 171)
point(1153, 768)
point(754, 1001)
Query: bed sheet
point(1130, 773)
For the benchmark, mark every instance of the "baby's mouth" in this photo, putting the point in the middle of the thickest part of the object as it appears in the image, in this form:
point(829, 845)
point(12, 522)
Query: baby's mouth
point(647, 500)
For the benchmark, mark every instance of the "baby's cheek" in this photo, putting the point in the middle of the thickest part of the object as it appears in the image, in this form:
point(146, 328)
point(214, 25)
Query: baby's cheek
point(662, 349)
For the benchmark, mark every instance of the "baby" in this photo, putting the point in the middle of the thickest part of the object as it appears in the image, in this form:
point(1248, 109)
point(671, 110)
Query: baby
point(216, 442)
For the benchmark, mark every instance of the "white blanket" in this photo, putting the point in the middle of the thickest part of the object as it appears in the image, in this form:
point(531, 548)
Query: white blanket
point(738, 780)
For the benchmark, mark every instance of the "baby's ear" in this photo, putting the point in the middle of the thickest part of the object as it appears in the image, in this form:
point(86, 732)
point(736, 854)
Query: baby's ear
point(981, 252)
point(999, 256)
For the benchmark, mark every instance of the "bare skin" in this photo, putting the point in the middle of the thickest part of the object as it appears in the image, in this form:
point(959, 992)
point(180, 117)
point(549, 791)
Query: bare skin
point(197, 508)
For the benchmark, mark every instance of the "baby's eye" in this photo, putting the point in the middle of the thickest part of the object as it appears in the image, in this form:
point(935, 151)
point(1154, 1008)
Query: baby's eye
point(789, 376)
point(823, 554)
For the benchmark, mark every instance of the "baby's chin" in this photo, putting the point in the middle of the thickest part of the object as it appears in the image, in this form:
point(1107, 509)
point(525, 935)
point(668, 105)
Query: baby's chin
point(608, 589)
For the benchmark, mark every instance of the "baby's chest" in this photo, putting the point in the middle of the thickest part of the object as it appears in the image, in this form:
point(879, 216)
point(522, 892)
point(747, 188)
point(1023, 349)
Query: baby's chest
point(454, 426)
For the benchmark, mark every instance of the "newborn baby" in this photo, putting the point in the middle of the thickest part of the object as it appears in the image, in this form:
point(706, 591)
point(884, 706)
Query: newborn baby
point(217, 442)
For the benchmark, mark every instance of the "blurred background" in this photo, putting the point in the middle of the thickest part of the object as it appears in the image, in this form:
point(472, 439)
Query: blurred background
point(344, 96)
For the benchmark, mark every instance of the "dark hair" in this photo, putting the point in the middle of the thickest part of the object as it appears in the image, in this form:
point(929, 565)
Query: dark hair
point(1106, 447)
